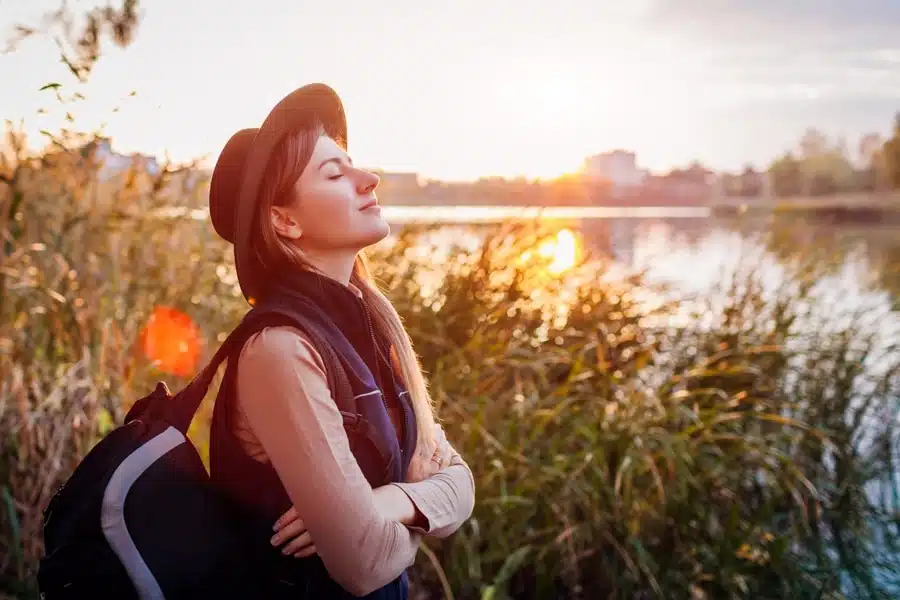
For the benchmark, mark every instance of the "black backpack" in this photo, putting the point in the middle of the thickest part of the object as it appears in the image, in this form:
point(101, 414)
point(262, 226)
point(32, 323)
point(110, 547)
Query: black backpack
point(139, 517)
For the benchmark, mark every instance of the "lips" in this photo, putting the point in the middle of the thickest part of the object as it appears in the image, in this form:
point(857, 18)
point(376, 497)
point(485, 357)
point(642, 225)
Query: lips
point(369, 204)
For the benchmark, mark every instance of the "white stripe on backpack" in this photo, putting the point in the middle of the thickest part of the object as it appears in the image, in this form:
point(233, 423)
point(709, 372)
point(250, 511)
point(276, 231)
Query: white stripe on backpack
point(112, 513)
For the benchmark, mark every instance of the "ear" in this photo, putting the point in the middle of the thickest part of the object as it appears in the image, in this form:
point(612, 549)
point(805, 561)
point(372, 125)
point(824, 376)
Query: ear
point(284, 223)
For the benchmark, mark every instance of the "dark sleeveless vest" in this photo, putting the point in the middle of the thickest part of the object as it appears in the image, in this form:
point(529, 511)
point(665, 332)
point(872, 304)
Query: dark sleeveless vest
point(253, 488)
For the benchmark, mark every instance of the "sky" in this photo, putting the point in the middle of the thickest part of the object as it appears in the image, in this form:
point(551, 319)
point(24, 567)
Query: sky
point(470, 88)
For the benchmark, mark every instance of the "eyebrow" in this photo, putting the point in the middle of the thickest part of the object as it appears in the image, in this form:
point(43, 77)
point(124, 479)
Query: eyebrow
point(336, 159)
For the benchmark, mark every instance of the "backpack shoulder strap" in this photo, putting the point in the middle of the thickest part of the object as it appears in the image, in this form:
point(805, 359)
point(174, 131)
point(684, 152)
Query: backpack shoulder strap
point(185, 403)
point(338, 381)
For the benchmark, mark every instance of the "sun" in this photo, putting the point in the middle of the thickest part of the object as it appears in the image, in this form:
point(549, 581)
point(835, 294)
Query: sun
point(543, 106)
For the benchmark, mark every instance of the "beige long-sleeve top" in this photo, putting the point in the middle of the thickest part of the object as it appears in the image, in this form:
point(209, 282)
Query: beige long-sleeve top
point(286, 415)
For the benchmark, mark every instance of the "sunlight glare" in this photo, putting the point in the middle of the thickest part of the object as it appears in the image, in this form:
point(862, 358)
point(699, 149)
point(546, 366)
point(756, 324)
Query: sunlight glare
point(546, 99)
point(565, 254)
point(563, 250)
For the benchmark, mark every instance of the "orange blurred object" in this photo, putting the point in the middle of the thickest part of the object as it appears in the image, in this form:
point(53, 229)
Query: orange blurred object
point(171, 340)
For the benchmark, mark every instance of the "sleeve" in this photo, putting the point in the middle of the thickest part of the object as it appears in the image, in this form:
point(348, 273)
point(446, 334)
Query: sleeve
point(282, 389)
point(446, 499)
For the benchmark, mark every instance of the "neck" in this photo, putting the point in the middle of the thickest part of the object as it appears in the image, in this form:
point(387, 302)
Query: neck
point(337, 266)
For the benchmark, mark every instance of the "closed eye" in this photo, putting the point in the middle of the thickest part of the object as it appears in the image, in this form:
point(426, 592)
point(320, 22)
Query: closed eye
point(334, 177)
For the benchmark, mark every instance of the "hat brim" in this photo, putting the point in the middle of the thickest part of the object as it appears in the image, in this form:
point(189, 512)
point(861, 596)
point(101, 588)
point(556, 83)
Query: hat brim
point(225, 182)
point(313, 103)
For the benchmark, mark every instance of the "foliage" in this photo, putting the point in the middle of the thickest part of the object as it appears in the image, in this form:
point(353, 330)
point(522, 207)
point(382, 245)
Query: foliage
point(787, 176)
point(819, 168)
point(79, 37)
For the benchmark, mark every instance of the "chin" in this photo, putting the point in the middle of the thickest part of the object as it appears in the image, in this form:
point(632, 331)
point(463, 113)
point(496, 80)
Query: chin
point(378, 233)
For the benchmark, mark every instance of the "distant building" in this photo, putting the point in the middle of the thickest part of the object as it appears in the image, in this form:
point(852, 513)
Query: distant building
point(617, 168)
point(399, 187)
point(682, 186)
point(401, 180)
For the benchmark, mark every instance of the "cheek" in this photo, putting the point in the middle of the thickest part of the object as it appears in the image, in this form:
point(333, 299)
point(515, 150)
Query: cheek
point(328, 211)
point(328, 200)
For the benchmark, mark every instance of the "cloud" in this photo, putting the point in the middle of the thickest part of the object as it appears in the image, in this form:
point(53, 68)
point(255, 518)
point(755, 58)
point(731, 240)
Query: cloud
point(823, 24)
point(800, 50)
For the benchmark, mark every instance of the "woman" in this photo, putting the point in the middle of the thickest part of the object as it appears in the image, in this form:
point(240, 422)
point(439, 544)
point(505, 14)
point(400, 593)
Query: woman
point(339, 517)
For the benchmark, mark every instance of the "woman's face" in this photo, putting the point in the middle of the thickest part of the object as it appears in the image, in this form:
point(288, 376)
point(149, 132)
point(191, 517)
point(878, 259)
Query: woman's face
point(334, 206)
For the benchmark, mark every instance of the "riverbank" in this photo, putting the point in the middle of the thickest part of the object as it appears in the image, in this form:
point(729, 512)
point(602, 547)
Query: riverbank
point(840, 208)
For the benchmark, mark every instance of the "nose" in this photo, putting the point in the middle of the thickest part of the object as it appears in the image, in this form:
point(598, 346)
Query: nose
point(367, 181)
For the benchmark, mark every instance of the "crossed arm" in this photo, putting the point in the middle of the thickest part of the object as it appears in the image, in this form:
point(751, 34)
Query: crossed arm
point(286, 416)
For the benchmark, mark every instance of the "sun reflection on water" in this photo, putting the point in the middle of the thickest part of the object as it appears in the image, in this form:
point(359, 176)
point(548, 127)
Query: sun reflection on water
point(561, 251)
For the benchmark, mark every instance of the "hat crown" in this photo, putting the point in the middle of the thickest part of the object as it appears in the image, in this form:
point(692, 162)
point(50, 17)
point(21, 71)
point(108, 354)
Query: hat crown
point(241, 166)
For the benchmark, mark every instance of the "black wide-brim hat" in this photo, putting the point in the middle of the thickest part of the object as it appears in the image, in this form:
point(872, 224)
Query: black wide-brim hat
point(239, 170)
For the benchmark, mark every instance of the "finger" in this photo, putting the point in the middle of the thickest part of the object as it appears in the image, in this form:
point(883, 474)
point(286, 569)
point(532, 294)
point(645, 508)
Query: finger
point(445, 448)
point(286, 518)
point(291, 530)
point(436, 444)
point(308, 551)
point(447, 453)
point(297, 544)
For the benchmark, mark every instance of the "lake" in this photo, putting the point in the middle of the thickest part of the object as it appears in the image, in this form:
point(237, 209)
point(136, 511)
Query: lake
point(686, 245)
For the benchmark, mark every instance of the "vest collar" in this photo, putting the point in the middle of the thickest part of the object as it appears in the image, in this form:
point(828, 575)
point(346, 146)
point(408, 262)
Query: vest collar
point(343, 303)
point(346, 307)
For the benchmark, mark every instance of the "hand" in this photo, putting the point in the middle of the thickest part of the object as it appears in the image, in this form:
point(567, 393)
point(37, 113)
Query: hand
point(291, 527)
point(430, 459)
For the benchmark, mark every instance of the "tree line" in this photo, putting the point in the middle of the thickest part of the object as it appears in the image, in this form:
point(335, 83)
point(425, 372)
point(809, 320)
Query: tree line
point(819, 166)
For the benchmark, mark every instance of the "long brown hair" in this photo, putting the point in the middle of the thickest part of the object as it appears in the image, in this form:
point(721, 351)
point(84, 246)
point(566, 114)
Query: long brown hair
point(273, 252)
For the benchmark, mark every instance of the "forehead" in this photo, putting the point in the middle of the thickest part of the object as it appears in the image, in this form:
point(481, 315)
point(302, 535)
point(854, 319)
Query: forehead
point(327, 148)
